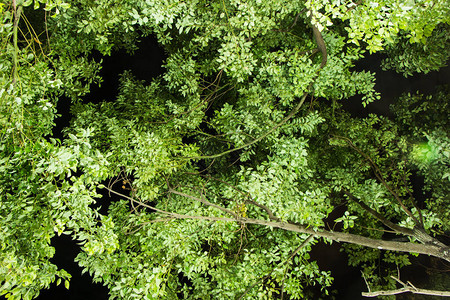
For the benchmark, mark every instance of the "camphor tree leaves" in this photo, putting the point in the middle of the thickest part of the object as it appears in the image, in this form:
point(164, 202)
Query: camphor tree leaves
point(227, 165)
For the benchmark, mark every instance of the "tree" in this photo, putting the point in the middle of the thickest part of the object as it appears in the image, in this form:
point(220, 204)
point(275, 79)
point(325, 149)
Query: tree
point(227, 165)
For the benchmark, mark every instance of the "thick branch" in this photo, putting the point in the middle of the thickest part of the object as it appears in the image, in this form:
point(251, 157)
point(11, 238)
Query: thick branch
point(441, 252)
point(321, 45)
point(408, 247)
point(428, 249)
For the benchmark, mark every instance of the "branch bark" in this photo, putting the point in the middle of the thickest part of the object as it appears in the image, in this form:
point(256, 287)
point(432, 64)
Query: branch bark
point(321, 45)
point(407, 288)
point(427, 249)
point(419, 233)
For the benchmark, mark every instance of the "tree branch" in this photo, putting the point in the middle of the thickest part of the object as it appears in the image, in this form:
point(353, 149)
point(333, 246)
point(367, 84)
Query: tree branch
point(266, 209)
point(380, 217)
point(411, 197)
point(380, 177)
point(306, 241)
point(321, 45)
point(428, 249)
point(248, 200)
point(405, 289)
point(253, 285)
point(419, 233)
point(261, 137)
point(354, 6)
point(303, 244)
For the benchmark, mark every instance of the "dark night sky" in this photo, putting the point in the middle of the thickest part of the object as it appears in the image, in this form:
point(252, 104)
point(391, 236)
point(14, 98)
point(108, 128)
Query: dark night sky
point(145, 64)
point(391, 85)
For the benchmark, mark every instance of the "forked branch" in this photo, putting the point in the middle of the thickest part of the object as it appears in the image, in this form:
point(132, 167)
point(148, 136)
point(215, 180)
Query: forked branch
point(379, 175)
point(407, 288)
point(419, 233)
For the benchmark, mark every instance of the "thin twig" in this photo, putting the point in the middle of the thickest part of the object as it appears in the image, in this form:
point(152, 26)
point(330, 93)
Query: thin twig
point(253, 285)
point(365, 280)
point(411, 196)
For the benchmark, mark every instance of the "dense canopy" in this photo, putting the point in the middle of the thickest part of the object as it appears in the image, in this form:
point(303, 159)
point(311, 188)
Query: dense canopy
point(226, 168)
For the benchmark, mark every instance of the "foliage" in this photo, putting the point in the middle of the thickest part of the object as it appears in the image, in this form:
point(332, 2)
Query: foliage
point(423, 119)
point(229, 164)
point(430, 55)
